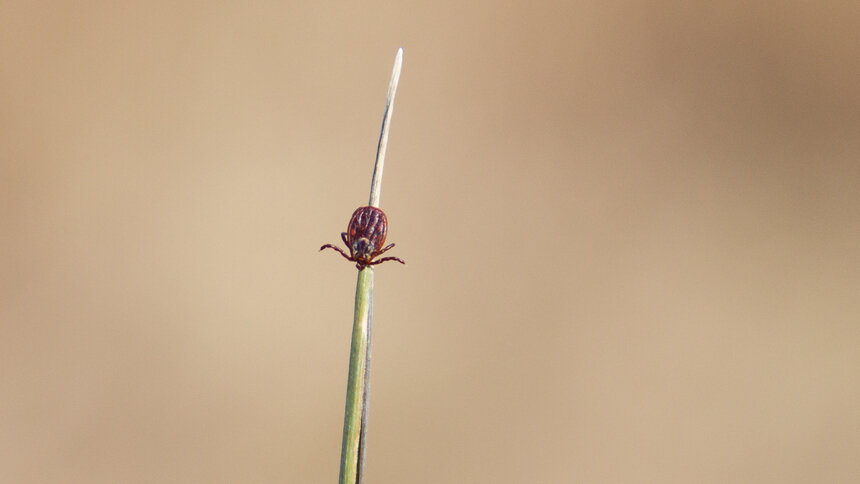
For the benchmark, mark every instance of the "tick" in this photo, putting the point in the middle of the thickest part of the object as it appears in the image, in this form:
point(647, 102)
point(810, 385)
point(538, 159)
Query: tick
point(365, 237)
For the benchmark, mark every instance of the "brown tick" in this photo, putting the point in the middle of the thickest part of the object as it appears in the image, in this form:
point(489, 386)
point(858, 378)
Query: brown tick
point(365, 237)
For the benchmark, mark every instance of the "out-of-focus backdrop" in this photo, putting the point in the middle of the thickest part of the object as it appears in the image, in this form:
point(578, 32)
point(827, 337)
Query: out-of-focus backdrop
point(632, 232)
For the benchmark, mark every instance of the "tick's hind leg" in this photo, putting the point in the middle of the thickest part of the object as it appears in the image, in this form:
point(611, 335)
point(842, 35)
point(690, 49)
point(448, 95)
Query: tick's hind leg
point(380, 261)
point(329, 246)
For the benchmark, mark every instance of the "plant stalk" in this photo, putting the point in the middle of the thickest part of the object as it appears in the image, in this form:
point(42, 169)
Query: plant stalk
point(358, 383)
point(356, 394)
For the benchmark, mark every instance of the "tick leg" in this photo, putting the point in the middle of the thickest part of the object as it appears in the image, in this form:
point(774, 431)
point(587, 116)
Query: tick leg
point(343, 236)
point(329, 246)
point(380, 261)
point(384, 249)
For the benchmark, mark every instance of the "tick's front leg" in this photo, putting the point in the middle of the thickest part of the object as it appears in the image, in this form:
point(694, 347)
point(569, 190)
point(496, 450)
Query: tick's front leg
point(384, 249)
point(380, 261)
point(329, 246)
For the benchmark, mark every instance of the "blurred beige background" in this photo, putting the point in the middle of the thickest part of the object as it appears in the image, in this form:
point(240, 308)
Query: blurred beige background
point(631, 230)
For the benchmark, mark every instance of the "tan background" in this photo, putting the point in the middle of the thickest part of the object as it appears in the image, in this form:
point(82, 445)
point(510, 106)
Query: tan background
point(632, 232)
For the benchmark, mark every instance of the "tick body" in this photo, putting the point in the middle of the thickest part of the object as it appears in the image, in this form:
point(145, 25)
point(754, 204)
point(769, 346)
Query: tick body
point(365, 238)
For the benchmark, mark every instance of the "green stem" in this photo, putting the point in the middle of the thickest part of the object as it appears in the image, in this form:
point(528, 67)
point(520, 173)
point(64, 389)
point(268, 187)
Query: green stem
point(356, 404)
point(358, 384)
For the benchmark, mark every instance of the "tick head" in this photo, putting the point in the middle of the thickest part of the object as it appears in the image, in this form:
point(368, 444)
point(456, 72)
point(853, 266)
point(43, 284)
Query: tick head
point(363, 248)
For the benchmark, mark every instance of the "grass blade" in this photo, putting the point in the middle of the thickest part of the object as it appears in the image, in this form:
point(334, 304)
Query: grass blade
point(358, 382)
